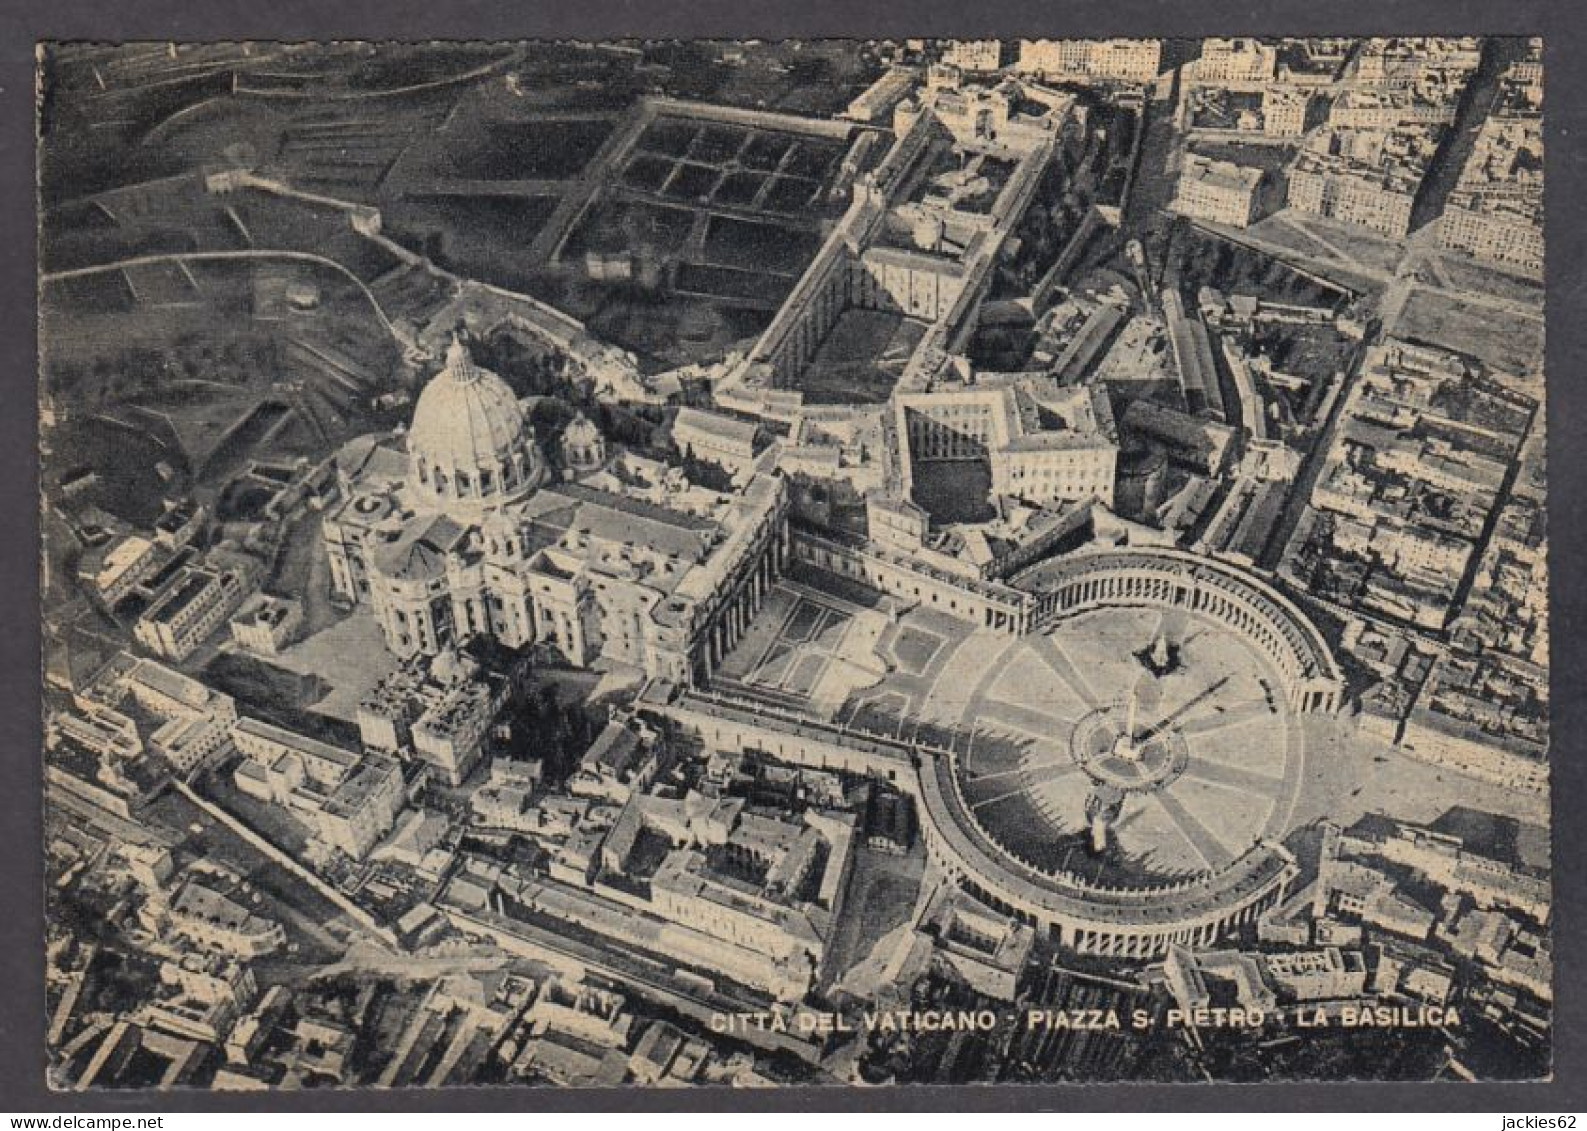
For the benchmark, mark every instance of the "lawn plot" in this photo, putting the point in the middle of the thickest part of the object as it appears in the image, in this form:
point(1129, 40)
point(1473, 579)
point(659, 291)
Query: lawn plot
point(913, 648)
point(731, 164)
point(806, 619)
point(645, 229)
point(532, 149)
point(1454, 271)
point(757, 246)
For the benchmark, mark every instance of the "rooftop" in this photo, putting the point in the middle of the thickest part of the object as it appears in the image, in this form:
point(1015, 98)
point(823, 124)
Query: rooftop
point(1221, 174)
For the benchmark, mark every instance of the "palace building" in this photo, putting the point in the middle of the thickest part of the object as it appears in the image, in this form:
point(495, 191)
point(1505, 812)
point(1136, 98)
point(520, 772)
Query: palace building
point(1043, 443)
point(450, 532)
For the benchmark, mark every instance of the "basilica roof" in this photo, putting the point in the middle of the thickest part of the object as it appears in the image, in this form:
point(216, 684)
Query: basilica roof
point(420, 553)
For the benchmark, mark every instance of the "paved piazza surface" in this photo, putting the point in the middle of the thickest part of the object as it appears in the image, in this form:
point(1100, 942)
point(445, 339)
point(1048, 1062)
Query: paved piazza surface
point(1217, 761)
point(1214, 764)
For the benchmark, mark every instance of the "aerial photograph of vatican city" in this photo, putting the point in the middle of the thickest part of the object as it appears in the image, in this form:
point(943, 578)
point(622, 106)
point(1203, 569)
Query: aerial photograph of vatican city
point(832, 562)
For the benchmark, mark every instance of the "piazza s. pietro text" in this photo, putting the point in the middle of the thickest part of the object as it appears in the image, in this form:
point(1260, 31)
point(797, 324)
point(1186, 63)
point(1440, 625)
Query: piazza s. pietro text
point(663, 563)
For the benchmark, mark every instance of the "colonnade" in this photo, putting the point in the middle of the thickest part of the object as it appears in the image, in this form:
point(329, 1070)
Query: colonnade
point(1094, 919)
point(738, 609)
point(1113, 921)
point(1085, 928)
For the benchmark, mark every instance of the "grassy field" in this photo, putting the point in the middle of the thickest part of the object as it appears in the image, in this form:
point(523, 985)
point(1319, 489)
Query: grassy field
point(1462, 273)
point(481, 237)
point(763, 247)
point(229, 374)
point(1345, 244)
point(125, 458)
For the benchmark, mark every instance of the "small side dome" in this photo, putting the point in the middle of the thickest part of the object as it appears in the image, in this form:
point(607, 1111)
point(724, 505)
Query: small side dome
point(583, 446)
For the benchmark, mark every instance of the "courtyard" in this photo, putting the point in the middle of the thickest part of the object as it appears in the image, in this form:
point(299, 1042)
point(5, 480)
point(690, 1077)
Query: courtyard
point(953, 491)
point(1033, 722)
point(861, 358)
point(809, 649)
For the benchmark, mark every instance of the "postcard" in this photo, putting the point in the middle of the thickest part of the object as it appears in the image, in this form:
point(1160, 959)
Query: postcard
point(794, 562)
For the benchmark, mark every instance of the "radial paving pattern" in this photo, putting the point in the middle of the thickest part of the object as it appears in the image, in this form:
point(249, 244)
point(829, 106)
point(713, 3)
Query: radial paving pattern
point(1194, 763)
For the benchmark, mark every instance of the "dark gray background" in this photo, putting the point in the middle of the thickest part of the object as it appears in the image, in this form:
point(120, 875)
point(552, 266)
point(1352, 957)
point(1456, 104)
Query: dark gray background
point(25, 22)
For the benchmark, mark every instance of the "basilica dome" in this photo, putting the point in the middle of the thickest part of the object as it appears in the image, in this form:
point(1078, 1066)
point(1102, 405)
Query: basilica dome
point(469, 442)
